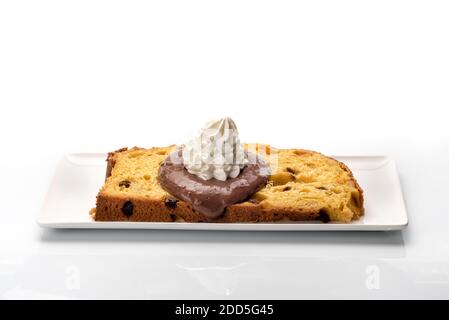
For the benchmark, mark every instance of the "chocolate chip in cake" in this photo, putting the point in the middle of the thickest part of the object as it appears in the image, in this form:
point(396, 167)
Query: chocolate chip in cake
point(287, 188)
point(322, 188)
point(324, 217)
point(291, 170)
point(171, 203)
point(125, 183)
point(128, 208)
point(173, 216)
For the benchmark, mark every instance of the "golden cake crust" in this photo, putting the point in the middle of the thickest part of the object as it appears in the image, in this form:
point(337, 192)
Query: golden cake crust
point(304, 185)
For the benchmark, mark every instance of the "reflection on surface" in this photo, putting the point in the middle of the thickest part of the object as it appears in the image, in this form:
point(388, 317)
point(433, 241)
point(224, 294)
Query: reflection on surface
point(225, 277)
point(185, 264)
point(222, 265)
point(387, 239)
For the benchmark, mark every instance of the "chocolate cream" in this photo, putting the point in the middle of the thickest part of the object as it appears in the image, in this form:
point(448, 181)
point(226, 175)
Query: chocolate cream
point(211, 197)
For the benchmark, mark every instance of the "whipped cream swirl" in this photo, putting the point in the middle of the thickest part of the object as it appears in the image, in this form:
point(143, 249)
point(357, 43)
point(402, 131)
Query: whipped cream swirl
point(215, 152)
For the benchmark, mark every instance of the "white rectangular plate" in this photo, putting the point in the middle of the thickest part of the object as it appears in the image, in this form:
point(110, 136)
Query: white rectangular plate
point(79, 177)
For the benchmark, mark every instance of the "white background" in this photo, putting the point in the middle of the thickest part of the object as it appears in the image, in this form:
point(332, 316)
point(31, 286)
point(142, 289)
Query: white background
point(342, 77)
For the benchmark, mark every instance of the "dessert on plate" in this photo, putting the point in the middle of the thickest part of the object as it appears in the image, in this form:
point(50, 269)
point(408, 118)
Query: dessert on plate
point(215, 178)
